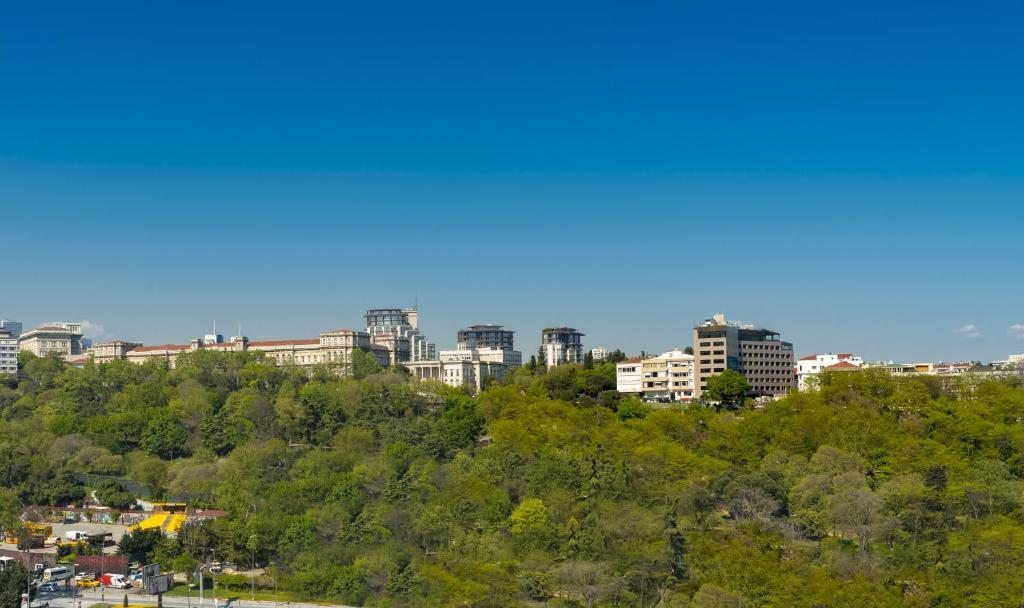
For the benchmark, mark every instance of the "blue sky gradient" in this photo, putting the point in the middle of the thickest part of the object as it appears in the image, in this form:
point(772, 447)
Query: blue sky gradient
point(851, 176)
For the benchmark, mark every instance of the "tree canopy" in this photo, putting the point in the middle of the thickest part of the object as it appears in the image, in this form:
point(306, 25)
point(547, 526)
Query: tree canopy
point(548, 487)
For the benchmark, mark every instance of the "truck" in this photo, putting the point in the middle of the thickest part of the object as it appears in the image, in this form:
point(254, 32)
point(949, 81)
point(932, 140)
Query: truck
point(76, 535)
point(37, 534)
point(115, 581)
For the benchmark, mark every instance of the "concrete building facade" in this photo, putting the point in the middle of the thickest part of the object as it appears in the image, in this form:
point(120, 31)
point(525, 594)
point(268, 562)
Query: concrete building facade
point(759, 355)
point(105, 352)
point(64, 339)
point(397, 330)
point(561, 345)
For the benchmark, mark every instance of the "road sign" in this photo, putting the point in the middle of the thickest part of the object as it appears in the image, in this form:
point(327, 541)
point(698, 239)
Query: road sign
point(160, 583)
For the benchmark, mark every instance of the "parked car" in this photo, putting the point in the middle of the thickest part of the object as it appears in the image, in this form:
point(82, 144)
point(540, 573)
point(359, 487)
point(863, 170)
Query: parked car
point(88, 583)
point(49, 588)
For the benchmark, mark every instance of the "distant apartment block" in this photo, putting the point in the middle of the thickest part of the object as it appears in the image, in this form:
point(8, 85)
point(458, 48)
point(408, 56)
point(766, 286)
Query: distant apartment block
point(759, 355)
point(810, 366)
point(13, 327)
point(8, 352)
point(561, 345)
point(926, 369)
point(64, 339)
point(599, 353)
point(397, 330)
point(668, 377)
point(486, 336)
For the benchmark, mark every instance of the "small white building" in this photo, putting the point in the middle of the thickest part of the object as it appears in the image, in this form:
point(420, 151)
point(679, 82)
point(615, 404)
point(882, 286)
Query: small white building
point(812, 365)
point(628, 376)
point(8, 353)
point(668, 377)
point(599, 353)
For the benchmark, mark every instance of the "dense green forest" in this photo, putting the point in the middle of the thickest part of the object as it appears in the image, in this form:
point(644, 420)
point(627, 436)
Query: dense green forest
point(547, 489)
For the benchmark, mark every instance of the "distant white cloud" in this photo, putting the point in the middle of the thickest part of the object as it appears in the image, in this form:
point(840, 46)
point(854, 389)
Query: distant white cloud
point(968, 331)
point(1017, 329)
point(94, 330)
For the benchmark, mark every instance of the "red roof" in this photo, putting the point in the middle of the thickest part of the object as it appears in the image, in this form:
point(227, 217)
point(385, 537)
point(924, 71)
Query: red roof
point(297, 342)
point(843, 365)
point(147, 349)
point(809, 358)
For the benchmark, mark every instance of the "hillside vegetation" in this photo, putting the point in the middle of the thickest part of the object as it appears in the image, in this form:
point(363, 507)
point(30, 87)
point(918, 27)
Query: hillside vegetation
point(549, 489)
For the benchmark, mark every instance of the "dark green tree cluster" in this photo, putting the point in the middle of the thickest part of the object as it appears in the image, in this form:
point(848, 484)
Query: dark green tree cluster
point(550, 487)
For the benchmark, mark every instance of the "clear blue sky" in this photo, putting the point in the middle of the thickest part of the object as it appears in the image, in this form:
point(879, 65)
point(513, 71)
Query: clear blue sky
point(852, 176)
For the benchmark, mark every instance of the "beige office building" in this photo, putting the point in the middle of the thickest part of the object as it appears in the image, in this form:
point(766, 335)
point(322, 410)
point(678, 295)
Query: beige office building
point(64, 339)
point(759, 355)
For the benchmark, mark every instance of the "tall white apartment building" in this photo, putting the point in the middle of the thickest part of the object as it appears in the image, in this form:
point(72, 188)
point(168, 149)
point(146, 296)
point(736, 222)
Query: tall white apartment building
point(561, 345)
point(668, 377)
point(810, 366)
point(8, 352)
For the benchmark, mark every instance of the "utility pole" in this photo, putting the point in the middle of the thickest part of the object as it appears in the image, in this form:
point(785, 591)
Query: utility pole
point(28, 564)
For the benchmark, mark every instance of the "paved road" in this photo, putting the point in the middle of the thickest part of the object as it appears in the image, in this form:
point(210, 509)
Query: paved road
point(115, 597)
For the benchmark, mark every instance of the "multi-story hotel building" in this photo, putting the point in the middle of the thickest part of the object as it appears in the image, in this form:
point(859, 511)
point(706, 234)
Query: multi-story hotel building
point(397, 330)
point(64, 339)
point(759, 355)
point(8, 352)
point(561, 345)
point(668, 377)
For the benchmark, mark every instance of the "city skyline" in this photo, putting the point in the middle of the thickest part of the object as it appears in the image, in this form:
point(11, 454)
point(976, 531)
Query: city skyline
point(850, 176)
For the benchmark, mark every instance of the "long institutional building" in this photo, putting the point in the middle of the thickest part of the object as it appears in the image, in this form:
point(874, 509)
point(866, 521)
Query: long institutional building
point(392, 335)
